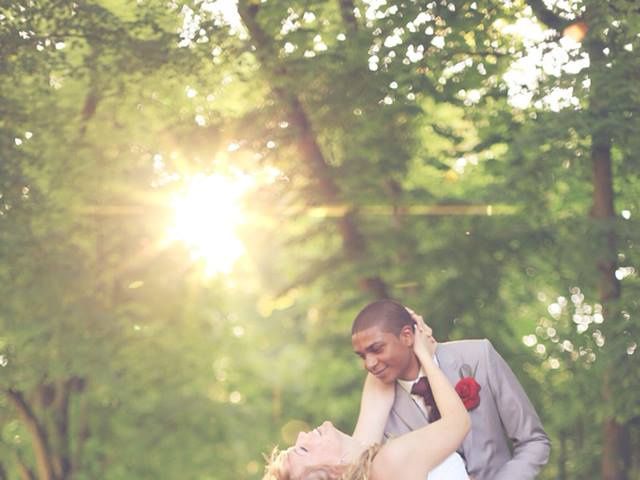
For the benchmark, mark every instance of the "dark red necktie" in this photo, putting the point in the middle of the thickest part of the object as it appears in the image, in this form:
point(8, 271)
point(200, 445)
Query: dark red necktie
point(422, 388)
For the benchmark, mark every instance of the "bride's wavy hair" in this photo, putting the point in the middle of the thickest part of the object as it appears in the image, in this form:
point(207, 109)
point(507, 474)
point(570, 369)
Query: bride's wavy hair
point(276, 469)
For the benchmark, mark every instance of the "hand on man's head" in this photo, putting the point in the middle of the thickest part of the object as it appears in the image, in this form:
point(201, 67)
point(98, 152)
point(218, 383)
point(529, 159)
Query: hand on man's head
point(432, 343)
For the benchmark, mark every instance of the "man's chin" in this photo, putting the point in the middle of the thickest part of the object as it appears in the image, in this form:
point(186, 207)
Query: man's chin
point(385, 377)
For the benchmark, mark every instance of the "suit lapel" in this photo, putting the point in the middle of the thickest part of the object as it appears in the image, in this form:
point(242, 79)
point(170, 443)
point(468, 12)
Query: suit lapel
point(408, 416)
point(405, 408)
point(450, 366)
point(448, 363)
point(407, 411)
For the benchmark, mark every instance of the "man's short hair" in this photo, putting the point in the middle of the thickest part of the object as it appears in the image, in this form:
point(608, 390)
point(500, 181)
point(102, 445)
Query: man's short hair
point(389, 315)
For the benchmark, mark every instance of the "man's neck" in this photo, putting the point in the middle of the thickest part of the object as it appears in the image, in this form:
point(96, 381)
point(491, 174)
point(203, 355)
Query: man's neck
point(415, 371)
point(412, 374)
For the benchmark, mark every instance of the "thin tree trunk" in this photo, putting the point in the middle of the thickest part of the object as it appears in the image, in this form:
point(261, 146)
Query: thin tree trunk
point(613, 464)
point(61, 459)
point(562, 457)
point(603, 212)
point(92, 98)
point(23, 470)
point(83, 432)
point(347, 11)
point(39, 440)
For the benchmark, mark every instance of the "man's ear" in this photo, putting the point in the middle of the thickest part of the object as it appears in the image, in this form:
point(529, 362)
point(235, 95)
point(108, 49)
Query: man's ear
point(407, 335)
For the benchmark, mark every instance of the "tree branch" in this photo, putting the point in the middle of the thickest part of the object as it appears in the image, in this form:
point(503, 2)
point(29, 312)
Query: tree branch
point(548, 17)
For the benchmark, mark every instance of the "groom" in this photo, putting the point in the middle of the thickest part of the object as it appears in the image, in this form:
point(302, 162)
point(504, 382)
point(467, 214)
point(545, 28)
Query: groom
point(506, 440)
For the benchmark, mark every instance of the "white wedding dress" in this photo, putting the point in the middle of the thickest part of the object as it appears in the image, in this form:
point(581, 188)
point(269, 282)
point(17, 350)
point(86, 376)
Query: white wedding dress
point(452, 468)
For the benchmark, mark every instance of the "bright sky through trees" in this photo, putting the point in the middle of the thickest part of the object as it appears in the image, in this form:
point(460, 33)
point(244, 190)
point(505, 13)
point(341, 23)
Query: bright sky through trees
point(522, 78)
point(206, 216)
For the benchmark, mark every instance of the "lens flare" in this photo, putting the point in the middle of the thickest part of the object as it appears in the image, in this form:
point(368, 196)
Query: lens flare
point(207, 215)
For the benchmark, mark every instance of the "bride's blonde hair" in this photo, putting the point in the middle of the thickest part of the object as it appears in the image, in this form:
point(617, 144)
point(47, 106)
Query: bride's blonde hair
point(276, 469)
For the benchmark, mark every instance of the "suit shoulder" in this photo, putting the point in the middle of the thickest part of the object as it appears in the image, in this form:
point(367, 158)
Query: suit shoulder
point(476, 343)
point(469, 349)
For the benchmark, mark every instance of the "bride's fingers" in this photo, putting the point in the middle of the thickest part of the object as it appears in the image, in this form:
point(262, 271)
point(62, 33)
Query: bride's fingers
point(423, 325)
point(413, 314)
point(424, 329)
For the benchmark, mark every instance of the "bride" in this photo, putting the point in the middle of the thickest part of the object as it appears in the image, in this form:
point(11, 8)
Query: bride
point(326, 453)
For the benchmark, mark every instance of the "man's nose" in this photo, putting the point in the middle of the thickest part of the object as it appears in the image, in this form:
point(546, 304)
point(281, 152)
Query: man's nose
point(370, 361)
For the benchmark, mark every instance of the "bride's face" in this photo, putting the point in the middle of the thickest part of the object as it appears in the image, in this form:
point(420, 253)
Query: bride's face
point(324, 445)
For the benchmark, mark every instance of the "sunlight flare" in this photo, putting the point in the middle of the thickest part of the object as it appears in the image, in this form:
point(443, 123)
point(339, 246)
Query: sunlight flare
point(207, 215)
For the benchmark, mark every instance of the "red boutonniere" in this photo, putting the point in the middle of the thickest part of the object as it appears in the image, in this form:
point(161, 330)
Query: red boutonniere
point(468, 388)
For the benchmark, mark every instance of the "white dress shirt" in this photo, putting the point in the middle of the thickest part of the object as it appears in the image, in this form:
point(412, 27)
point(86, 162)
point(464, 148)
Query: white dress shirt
point(452, 468)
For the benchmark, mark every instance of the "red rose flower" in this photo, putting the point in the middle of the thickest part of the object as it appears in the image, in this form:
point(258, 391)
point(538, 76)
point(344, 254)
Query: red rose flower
point(469, 389)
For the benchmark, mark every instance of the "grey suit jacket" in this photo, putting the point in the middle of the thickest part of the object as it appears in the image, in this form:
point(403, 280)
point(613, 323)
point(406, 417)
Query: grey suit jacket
point(506, 440)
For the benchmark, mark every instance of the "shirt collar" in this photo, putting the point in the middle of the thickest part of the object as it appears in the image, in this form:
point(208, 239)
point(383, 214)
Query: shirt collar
point(407, 384)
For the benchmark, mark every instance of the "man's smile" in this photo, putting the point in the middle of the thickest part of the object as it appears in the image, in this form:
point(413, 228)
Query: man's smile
point(379, 372)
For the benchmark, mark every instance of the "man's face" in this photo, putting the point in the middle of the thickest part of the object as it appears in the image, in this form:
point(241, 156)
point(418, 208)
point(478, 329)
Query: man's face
point(385, 355)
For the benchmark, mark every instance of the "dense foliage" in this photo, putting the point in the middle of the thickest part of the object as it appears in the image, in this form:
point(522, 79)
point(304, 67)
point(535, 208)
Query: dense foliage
point(475, 160)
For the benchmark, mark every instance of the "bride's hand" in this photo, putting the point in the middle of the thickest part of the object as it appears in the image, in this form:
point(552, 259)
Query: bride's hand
point(424, 343)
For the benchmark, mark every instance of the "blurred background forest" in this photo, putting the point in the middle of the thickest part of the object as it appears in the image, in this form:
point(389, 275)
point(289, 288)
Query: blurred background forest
point(197, 197)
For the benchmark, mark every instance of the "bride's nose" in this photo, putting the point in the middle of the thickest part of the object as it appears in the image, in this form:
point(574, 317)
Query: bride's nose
point(301, 437)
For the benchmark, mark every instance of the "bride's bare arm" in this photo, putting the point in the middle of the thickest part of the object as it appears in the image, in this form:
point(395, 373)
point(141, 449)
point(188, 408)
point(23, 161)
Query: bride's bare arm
point(376, 402)
point(415, 454)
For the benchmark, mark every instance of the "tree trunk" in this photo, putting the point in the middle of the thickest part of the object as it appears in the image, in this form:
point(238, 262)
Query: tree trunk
point(61, 457)
point(327, 190)
point(24, 471)
point(82, 432)
point(41, 450)
point(347, 11)
point(613, 433)
point(603, 212)
point(562, 457)
point(615, 465)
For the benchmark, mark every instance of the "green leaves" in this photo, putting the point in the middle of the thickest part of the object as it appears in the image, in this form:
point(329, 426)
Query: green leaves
point(400, 166)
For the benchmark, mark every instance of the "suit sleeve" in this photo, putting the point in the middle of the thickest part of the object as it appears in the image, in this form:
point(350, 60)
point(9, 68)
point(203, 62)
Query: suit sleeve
point(522, 425)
